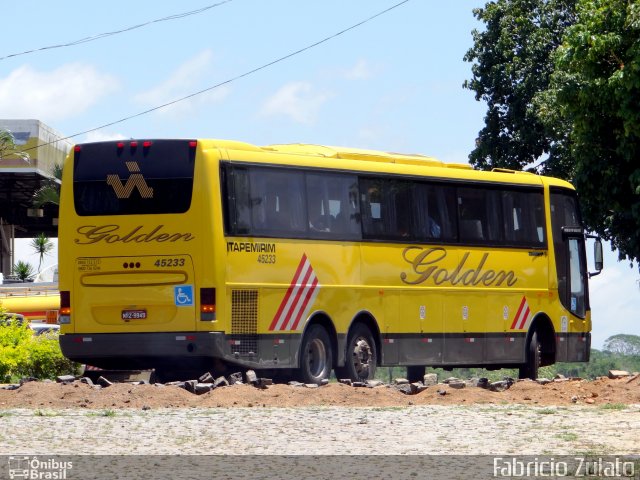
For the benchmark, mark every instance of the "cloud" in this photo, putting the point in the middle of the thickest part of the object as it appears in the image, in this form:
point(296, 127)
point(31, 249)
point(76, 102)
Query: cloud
point(360, 71)
point(296, 100)
point(186, 79)
point(59, 94)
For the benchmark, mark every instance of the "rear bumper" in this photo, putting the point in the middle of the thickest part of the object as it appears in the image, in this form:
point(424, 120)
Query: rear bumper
point(148, 350)
point(142, 350)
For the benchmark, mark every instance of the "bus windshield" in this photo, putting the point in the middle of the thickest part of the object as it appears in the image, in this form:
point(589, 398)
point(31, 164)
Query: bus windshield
point(120, 178)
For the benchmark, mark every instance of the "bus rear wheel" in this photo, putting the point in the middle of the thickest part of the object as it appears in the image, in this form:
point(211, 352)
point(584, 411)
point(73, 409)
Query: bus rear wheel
point(360, 364)
point(316, 355)
point(533, 357)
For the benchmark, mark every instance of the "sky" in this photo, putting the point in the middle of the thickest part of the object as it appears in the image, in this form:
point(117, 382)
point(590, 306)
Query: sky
point(393, 83)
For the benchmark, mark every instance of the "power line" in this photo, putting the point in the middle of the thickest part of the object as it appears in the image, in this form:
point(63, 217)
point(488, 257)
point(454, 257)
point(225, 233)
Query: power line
point(92, 38)
point(226, 82)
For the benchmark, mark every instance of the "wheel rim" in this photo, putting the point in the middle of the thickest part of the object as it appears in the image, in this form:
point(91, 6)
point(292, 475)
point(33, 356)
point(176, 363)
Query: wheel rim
point(316, 358)
point(361, 357)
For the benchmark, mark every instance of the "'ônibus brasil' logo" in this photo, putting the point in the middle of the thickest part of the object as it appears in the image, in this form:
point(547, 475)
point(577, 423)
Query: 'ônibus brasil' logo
point(135, 180)
point(426, 265)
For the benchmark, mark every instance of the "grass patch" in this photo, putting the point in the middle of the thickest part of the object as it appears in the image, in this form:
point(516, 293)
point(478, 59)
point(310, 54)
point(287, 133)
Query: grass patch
point(104, 413)
point(45, 413)
point(613, 406)
point(546, 411)
point(567, 436)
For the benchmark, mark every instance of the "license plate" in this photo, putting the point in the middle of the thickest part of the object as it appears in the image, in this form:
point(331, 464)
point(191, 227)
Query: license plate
point(134, 314)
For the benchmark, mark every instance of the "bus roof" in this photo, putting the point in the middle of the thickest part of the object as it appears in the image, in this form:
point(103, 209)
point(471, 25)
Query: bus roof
point(334, 155)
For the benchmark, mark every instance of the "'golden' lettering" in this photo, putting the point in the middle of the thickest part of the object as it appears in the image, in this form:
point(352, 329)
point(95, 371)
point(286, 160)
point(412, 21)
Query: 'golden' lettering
point(425, 265)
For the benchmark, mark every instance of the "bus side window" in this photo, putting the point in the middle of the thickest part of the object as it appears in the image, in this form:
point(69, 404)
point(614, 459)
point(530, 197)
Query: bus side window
point(523, 218)
point(479, 215)
point(332, 206)
point(371, 193)
point(433, 210)
point(277, 199)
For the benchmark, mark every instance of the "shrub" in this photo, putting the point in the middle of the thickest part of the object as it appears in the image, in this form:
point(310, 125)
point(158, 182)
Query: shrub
point(23, 354)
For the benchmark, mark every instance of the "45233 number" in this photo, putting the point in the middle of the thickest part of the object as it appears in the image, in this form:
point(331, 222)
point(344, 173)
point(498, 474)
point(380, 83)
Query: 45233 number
point(263, 258)
point(169, 262)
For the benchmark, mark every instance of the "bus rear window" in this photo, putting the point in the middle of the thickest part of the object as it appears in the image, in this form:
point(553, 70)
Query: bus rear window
point(133, 178)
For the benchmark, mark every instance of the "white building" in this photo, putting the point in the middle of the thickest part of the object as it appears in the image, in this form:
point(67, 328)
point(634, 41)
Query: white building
point(20, 179)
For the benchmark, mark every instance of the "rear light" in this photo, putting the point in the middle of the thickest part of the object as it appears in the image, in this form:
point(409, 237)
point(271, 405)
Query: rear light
point(77, 148)
point(207, 304)
point(146, 143)
point(133, 144)
point(193, 144)
point(64, 315)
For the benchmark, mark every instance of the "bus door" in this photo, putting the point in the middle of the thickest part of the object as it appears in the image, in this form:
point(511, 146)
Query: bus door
point(571, 270)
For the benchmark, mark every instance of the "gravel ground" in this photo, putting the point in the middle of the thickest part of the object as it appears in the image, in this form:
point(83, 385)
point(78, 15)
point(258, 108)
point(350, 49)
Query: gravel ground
point(413, 430)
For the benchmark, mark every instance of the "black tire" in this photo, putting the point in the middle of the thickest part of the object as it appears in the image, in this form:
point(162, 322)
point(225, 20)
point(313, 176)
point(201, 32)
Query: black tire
point(416, 373)
point(533, 358)
point(362, 355)
point(316, 356)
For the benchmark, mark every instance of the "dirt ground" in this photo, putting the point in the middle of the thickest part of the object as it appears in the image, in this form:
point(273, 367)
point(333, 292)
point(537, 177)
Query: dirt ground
point(50, 395)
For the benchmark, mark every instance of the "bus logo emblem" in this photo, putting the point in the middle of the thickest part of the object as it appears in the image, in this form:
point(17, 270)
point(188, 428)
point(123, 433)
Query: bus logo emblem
point(135, 180)
point(299, 297)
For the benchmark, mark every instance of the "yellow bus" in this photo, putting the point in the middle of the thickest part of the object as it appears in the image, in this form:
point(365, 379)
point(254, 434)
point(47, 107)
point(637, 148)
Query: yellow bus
point(35, 302)
point(206, 255)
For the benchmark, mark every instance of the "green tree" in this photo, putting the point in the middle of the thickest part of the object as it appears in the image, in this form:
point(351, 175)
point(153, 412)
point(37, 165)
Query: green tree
point(42, 246)
point(22, 270)
point(561, 79)
point(50, 192)
point(8, 147)
point(511, 63)
point(622, 344)
point(596, 89)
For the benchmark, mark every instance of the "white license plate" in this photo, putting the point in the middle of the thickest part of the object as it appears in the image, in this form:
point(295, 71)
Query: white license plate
point(134, 314)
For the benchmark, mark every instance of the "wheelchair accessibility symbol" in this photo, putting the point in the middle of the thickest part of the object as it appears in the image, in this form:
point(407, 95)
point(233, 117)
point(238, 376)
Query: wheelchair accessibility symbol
point(183, 295)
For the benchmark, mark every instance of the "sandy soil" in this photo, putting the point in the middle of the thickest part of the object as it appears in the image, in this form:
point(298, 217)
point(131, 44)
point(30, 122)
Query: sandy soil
point(125, 395)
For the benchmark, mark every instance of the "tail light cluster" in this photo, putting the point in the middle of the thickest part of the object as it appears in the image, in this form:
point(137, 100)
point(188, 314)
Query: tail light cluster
point(64, 314)
point(207, 304)
point(133, 144)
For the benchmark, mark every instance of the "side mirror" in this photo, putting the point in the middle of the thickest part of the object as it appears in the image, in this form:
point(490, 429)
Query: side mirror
point(598, 259)
point(597, 255)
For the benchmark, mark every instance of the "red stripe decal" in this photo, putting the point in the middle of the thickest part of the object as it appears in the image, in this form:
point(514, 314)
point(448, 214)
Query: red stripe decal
point(305, 302)
point(294, 281)
point(515, 319)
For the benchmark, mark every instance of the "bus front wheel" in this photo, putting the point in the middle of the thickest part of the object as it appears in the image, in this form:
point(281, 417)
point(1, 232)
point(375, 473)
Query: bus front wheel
point(316, 355)
point(533, 356)
point(360, 363)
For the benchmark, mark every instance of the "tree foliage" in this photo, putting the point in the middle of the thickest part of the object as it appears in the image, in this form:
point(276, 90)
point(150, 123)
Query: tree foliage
point(561, 79)
point(596, 87)
point(511, 64)
point(8, 147)
point(50, 191)
point(23, 270)
point(42, 246)
point(622, 344)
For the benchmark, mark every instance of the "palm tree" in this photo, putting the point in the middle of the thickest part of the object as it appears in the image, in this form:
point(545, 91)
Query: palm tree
point(8, 146)
point(22, 270)
point(50, 192)
point(42, 246)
